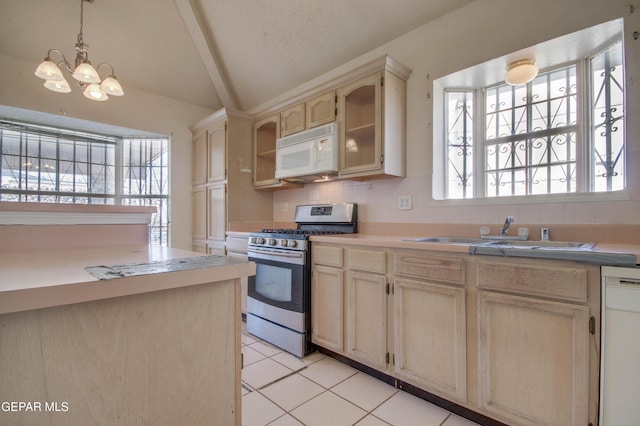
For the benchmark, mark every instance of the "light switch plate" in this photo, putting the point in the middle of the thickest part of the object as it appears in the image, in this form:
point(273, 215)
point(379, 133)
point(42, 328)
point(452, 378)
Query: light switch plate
point(404, 202)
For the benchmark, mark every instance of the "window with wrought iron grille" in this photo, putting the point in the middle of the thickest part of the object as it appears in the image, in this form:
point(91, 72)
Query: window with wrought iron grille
point(49, 165)
point(561, 133)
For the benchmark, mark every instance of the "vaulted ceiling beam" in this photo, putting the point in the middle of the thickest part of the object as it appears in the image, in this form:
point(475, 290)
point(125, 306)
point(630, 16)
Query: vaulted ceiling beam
point(207, 54)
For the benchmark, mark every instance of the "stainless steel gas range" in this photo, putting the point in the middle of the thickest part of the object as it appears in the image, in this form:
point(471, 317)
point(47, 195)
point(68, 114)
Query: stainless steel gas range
point(279, 296)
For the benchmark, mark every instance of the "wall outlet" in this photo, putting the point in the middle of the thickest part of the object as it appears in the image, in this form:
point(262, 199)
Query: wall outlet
point(404, 202)
point(285, 207)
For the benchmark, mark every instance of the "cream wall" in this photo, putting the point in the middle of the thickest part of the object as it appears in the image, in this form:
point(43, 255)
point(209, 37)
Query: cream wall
point(483, 30)
point(136, 110)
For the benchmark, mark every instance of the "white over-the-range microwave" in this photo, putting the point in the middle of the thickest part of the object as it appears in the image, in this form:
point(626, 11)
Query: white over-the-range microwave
point(311, 153)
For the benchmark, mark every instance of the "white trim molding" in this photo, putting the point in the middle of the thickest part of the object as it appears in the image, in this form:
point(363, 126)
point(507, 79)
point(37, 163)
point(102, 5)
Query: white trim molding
point(75, 218)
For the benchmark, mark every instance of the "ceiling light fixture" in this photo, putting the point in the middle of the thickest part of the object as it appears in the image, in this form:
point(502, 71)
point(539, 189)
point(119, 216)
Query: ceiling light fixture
point(84, 73)
point(521, 72)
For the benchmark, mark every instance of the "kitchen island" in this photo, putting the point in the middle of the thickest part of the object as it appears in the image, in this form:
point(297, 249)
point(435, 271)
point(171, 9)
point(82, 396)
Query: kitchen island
point(143, 348)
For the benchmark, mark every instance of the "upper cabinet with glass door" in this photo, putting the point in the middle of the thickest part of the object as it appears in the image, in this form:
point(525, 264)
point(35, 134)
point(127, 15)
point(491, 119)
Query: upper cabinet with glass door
point(372, 124)
point(265, 134)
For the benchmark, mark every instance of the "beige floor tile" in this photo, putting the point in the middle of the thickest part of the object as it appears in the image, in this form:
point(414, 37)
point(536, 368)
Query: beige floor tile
point(328, 409)
point(295, 363)
point(328, 372)
point(371, 420)
point(285, 420)
point(265, 348)
point(292, 391)
point(407, 410)
point(263, 372)
point(245, 389)
point(258, 410)
point(365, 391)
point(454, 420)
point(246, 339)
point(251, 355)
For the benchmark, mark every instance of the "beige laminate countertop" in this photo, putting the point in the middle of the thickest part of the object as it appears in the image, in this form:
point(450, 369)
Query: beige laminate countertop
point(406, 243)
point(33, 279)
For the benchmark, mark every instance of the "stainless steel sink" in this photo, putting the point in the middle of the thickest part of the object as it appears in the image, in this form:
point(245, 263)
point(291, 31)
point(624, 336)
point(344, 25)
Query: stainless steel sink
point(544, 244)
point(506, 242)
point(449, 240)
point(558, 250)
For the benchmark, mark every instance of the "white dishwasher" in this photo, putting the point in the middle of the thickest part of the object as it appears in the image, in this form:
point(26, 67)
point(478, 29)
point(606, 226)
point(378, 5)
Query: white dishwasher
point(620, 356)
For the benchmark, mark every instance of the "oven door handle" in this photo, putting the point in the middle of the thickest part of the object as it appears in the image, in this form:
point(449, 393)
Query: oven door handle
point(276, 255)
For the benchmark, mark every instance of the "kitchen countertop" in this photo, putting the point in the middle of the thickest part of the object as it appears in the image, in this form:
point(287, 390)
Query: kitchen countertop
point(40, 278)
point(406, 243)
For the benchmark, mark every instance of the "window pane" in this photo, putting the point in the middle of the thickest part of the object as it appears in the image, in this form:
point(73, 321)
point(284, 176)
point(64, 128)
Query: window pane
point(42, 164)
point(529, 136)
point(145, 183)
point(607, 112)
point(460, 127)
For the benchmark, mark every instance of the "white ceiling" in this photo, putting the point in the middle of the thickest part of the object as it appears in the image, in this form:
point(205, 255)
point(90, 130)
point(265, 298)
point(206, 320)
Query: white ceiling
point(213, 53)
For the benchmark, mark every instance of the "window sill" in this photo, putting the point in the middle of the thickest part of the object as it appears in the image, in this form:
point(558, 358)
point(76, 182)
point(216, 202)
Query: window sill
point(593, 197)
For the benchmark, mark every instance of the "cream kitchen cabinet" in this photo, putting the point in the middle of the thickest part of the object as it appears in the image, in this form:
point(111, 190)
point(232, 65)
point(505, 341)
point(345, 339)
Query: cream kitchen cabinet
point(327, 297)
point(534, 344)
point(309, 114)
point(372, 124)
point(320, 110)
point(369, 105)
point(430, 323)
point(366, 301)
point(265, 134)
point(292, 120)
point(512, 339)
point(199, 158)
point(236, 245)
point(217, 215)
point(222, 184)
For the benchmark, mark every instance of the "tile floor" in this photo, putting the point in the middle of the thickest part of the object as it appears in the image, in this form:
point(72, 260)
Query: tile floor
point(279, 389)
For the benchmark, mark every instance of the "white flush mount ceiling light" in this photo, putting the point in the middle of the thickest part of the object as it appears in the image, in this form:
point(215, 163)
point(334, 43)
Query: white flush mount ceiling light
point(84, 73)
point(521, 72)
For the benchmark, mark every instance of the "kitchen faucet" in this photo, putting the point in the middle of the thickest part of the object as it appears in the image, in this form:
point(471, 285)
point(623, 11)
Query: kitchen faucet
point(507, 222)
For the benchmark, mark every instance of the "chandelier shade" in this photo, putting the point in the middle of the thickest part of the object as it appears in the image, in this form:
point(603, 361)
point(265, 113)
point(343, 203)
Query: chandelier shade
point(93, 92)
point(87, 77)
point(60, 86)
point(86, 73)
point(48, 70)
point(111, 86)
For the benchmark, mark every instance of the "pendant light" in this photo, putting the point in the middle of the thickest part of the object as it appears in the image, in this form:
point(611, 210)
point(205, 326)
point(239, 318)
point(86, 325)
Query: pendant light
point(87, 77)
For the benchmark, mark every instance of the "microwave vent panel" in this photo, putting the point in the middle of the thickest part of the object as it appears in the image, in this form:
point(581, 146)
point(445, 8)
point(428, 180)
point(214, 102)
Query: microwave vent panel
point(315, 133)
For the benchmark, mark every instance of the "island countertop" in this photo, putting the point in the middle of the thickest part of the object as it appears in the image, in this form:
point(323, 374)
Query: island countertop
point(40, 278)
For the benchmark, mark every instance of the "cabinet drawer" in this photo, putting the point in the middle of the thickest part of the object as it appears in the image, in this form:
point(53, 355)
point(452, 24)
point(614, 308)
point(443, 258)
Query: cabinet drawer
point(565, 283)
point(330, 256)
point(420, 265)
point(368, 260)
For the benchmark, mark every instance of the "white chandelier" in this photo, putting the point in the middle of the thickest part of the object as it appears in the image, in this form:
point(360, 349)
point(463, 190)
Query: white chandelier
point(84, 73)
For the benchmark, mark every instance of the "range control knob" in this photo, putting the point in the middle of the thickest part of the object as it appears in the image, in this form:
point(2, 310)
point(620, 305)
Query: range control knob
point(283, 243)
point(272, 242)
point(292, 243)
point(259, 240)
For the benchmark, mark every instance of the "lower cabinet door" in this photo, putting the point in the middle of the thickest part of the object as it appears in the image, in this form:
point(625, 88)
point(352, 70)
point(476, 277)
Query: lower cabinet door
point(533, 360)
point(430, 337)
point(367, 319)
point(327, 289)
